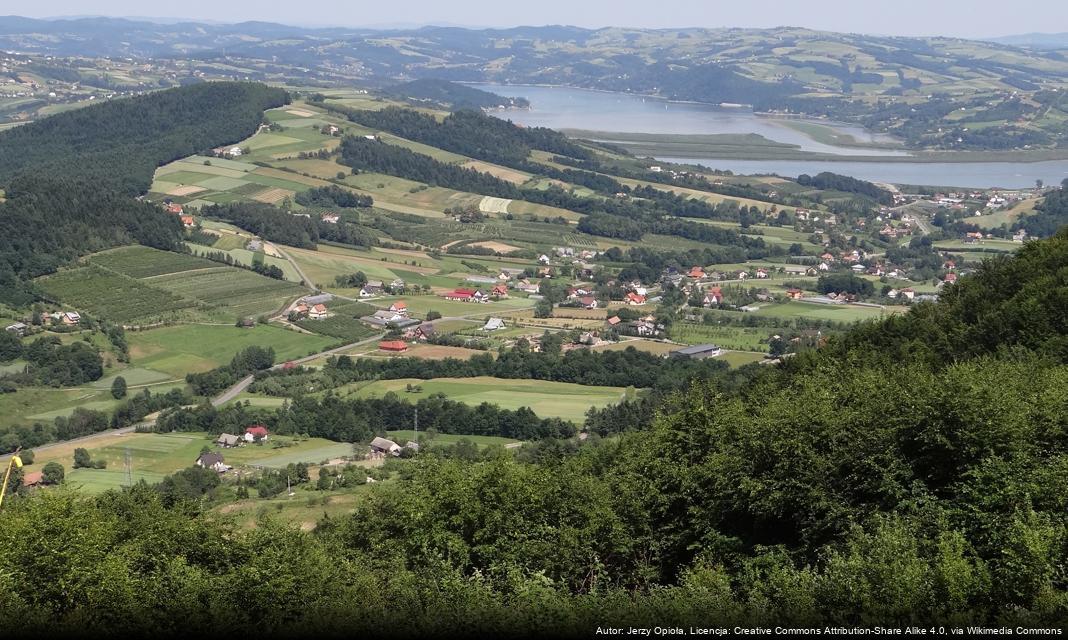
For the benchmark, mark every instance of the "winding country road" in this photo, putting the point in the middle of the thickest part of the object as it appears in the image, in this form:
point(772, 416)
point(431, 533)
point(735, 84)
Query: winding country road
point(221, 399)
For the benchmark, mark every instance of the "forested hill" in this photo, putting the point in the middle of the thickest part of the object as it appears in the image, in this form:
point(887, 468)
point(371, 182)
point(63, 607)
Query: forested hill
point(70, 179)
point(118, 144)
point(452, 95)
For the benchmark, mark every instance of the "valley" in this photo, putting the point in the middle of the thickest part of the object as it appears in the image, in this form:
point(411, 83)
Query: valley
point(674, 326)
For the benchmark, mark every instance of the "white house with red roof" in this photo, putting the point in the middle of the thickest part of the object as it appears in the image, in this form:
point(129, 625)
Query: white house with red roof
point(256, 432)
point(713, 296)
point(317, 312)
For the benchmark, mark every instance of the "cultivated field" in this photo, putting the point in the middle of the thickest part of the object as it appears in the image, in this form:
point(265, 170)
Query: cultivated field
point(180, 349)
point(547, 399)
point(113, 296)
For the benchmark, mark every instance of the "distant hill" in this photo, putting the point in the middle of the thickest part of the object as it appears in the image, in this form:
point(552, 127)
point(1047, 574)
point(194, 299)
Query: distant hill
point(931, 92)
point(1035, 40)
point(452, 95)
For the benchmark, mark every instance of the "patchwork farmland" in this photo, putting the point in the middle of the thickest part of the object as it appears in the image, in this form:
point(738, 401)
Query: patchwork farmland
point(139, 285)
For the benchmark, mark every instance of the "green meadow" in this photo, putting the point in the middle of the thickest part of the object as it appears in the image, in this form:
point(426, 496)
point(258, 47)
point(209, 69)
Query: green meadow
point(547, 399)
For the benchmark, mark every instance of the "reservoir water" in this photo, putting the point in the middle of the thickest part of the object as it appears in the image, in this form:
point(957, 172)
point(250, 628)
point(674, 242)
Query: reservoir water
point(567, 108)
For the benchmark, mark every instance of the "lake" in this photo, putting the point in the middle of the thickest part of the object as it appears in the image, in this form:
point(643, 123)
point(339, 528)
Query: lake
point(567, 108)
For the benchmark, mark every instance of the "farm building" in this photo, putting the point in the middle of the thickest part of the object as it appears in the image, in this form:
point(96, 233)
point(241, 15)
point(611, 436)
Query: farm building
point(698, 352)
point(256, 432)
point(382, 446)
point(19, 328)
point(228, 441)
point(393, 345)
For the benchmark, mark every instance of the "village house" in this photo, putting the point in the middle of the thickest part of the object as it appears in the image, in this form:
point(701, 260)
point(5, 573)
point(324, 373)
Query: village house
point(399, 307)
point(395, 346)
point(634, 299)
point(227, 441)
point(713, 297)
point(256, 432)
point(467, 295)
point(527, 287)
point(422, 333)
point(643, 328)
point(19, 328)
point(318, 312)
point(795, 294)
point(70, 318)
point(188, 221)
point(741, 275)
point(907, 293)
point(950, 278)
point(493, 324)
point(213, 461)
point(544, 259)
point(761, 273)
point(614, 321)
point(500, 291)
point(588, 302)
point(371, 289)
point(697, 273)
point(331, 218)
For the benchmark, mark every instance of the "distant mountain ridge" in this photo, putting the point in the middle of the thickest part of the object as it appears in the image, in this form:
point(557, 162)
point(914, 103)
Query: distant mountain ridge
point(1036, 40)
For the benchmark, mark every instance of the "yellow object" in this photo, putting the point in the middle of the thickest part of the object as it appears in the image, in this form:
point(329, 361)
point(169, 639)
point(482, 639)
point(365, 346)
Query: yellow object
point(15, 461)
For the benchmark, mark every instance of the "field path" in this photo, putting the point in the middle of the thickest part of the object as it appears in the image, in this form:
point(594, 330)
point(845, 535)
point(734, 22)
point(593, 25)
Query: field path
point(222, 398)
point(304, 279)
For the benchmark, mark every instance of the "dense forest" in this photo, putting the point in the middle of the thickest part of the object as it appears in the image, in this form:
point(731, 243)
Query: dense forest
point(1050, 215)
point(911, 471)
point(70, 179)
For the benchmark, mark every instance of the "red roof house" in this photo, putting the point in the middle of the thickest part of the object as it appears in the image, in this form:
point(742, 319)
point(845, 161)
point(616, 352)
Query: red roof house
point(255, 432)
point(634, 299)
point(393, 345)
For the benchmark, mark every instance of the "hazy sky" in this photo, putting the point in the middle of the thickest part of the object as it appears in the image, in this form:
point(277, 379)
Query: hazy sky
point(963, 18)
